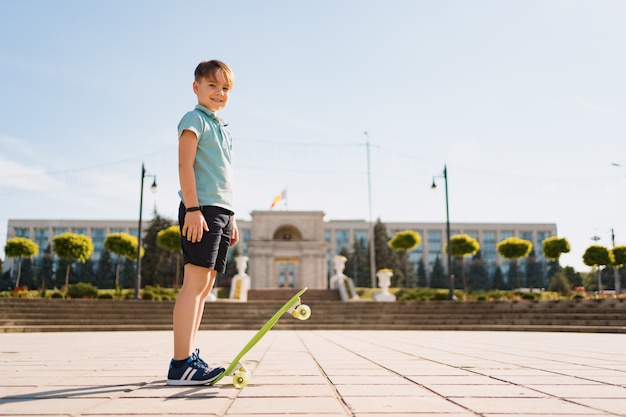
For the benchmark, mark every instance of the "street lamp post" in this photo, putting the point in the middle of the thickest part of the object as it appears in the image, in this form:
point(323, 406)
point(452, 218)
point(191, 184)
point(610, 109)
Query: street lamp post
point(153, 188)
point(434, 186)
point(595, 238)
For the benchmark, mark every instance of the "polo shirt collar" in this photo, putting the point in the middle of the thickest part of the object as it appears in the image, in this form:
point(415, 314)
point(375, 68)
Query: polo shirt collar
point(211, 115)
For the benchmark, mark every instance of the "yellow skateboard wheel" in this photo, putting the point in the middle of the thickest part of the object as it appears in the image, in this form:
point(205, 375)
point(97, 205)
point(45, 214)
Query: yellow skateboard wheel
point(241, 379)
point(302, 312)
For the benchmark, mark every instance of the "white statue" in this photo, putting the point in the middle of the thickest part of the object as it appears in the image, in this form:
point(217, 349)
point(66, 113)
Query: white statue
point(212, 297)
point(240, 284)
point(341, 282)
point(384, 281)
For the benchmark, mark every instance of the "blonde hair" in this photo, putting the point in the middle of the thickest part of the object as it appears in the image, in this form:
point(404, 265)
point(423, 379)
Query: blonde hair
point(210, 69)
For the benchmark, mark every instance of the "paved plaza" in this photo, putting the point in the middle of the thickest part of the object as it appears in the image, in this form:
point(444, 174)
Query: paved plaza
point(320, 373)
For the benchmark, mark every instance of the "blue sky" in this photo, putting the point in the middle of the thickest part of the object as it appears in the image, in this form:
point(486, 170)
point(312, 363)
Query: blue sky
point(525, 101)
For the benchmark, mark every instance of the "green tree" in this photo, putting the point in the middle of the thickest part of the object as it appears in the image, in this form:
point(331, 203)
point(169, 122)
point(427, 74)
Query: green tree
point(125, 247)
point(498, 279)
point(46, 268)
point(29, 278)
point(158, 265)
point(590, 280)
point(384, 256)
point(169, 239)
point(462, 246)
point(619, 260)
point(514, 248)
point(534, 271)
point(128, 273)
point(85, 271)
point(554, 247)
point(20, 247)
point(597, 256)
point(6, 283)
point(422, 276)
point(403, 242)
point(72, 247)
point(478, 276)
point(105, 274)
point(559, 283)
point(61, 266)
point(574, 278)
point(357, 264)
point(437, 276)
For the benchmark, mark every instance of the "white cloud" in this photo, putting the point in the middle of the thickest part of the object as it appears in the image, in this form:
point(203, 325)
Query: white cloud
point(15, 175)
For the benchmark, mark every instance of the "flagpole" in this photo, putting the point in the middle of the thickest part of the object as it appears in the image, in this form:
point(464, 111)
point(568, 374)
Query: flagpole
point(371, 228)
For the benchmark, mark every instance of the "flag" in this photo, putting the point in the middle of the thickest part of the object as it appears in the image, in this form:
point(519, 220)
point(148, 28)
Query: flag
point(279, 197)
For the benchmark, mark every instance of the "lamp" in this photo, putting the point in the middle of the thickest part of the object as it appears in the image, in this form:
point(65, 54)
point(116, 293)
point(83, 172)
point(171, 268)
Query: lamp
point(434, 186)
point(153, 188)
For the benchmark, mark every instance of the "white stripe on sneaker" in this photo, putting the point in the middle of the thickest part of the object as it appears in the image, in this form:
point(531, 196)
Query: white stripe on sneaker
point(188, 374)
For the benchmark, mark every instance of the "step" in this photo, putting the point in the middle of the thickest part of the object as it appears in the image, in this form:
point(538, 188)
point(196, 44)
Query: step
point(286, 293)
point(98, 315)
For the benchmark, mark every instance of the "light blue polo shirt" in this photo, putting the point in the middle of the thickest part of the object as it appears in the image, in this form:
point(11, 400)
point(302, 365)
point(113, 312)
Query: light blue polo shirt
point(213, 163)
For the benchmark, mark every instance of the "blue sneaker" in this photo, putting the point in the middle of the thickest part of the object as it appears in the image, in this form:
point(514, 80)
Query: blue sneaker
point(196, 356)
point(193, 372)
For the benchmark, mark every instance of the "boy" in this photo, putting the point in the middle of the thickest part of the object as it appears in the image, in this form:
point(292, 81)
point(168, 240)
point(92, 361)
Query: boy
point(205, 215)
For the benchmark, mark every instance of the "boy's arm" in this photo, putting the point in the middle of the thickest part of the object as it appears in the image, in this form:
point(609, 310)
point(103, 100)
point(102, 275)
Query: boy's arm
point(234, 235)
point(194, 224)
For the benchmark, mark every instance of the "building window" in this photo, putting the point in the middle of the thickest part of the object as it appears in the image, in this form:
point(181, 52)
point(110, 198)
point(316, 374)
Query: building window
point(244, 242)
point(97, 237)
point(342, 240)
point(541, 236)
point(361, 237)
point(472, 233)
point(434, 241)
point(434, 246)
point(488, 246)
point(41, 238)
point(526, 236)
point(22, 232)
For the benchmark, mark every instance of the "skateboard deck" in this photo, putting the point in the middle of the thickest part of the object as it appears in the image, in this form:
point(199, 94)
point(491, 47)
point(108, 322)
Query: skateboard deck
point(241, 376)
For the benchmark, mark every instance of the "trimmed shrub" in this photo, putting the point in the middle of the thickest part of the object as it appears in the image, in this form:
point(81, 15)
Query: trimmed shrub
point(105, 296)
point(82, 290)
point(158, 293)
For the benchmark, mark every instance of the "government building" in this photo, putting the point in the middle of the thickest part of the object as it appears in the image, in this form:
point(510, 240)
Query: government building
point(296, 248)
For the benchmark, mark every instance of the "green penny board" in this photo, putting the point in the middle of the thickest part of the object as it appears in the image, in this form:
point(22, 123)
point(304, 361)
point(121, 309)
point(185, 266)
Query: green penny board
point(259, 335)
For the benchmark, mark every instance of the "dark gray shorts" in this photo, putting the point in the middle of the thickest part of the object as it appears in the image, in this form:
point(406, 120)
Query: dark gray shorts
point(212, 251)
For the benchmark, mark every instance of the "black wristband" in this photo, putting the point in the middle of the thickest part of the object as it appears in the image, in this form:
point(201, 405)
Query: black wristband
point(189, 209)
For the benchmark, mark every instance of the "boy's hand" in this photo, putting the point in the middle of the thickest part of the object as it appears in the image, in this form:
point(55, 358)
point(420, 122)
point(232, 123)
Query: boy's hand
point(195, 225)
point(234, 234)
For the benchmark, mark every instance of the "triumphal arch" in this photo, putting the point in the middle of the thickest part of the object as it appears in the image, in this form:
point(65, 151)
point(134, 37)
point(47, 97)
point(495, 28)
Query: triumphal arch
point(287, 249)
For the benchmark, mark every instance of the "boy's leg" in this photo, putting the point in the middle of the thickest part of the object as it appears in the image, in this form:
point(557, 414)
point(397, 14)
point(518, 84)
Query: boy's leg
point(203, 296)
point(186, 368)
point(189, 302)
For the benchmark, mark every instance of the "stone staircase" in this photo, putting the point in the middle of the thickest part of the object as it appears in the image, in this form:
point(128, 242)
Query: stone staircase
point(47, 315)
point(278, 294)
